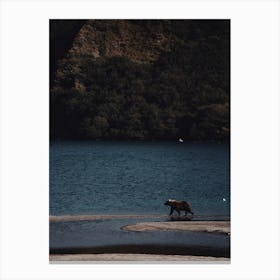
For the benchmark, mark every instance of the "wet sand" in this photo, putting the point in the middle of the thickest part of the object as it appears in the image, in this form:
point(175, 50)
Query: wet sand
point(222, 227)
point(77, 218)
point(133, 258)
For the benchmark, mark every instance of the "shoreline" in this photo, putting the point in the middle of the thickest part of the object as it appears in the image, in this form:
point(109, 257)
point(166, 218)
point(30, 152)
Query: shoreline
point(156, 249)
point(219, 227)
point(77, 218)
point(132, 258)
point(126, 252)
point(144, 251)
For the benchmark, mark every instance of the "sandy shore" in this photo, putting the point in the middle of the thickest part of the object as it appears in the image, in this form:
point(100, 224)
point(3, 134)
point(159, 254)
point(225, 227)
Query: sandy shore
point(68, 218)
point(222, 227)
point(133, 258)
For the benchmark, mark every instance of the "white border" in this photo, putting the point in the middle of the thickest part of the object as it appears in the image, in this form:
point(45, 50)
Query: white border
point(255, 137)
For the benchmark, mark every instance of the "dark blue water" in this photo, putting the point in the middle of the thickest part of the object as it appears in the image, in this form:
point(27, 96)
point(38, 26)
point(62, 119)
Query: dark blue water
point(137, 178)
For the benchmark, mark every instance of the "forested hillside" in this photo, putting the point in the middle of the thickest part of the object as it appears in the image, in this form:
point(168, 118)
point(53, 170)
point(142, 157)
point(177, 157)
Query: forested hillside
point(140, 79)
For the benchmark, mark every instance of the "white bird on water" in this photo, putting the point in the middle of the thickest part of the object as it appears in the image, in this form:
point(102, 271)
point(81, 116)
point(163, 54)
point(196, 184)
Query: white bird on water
point(224, 200)
point(181, 140)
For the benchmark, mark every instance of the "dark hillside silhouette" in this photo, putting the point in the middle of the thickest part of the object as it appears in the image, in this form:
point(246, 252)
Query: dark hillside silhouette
point(140, 79)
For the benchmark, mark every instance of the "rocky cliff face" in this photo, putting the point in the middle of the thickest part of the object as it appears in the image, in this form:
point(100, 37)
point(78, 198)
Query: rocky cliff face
point(121, 38)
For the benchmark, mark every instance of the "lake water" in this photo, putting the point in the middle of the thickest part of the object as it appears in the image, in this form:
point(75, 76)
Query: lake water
point(138, 177)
